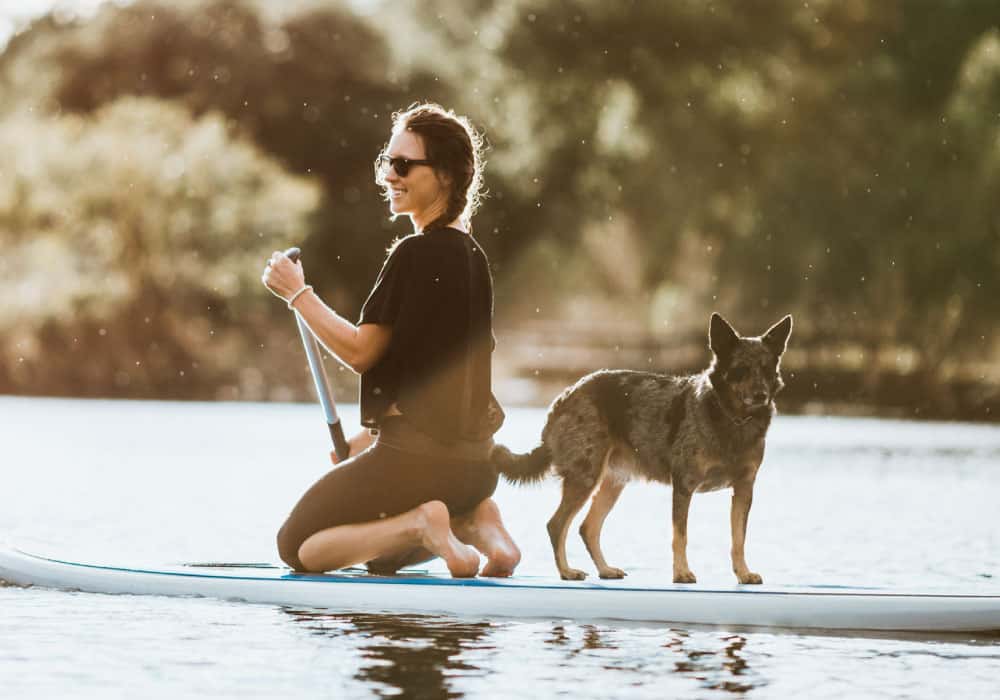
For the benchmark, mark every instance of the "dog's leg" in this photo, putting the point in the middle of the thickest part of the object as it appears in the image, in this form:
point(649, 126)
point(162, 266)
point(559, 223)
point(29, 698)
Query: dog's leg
point(574, 495)
point(604, 500)
point(742, 498)
point(682, 502)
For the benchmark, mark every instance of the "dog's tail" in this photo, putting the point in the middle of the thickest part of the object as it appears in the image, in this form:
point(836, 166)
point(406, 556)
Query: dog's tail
point(522, 469)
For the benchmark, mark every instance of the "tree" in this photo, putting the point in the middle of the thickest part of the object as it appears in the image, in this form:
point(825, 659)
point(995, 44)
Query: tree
point(314, 89)
point(806, 157)
point(134, 239)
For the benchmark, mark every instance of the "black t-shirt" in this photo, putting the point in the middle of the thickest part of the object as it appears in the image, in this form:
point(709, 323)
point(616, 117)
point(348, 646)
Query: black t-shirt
point(436, 292)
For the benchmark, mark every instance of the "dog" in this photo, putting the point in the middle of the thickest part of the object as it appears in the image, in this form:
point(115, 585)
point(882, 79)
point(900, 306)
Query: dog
point(701, 432)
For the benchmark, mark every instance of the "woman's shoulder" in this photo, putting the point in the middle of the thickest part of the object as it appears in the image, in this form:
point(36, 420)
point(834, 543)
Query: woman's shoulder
point(407, 251)
point(439, 245)
point(401, 244)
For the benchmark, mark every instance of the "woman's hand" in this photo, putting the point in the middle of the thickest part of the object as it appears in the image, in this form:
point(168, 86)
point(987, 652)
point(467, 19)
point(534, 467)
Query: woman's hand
point(282, 276)
point(358, 443)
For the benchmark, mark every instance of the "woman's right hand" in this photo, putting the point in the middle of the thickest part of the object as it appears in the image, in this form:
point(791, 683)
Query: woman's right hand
point(282, 276)
point(358, 443)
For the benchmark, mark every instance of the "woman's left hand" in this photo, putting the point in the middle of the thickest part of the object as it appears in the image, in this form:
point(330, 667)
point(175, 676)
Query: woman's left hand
point(282, 276)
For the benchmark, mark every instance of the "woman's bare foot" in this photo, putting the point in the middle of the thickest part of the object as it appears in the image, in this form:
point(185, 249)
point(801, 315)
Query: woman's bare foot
point(436, 536)
point(483, 529)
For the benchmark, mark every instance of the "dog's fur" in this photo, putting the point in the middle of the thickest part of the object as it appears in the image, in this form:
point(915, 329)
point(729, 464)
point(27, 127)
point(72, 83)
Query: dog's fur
point(701, 432)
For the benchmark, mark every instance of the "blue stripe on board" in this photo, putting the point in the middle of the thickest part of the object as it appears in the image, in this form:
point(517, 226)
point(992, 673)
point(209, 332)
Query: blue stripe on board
point(502, 583)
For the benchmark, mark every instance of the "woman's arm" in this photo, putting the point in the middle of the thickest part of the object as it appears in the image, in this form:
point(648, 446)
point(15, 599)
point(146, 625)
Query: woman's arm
point(360, 348)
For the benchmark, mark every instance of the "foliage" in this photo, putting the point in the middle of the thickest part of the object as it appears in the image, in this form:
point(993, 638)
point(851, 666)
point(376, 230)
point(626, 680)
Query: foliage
point(312, 89)
point(837, 159)
point(133, 241)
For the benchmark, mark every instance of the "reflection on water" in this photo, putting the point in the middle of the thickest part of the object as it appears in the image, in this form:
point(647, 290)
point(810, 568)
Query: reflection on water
point(592, 639)
point(722, 668)
point(422, 656)
point(408, 655)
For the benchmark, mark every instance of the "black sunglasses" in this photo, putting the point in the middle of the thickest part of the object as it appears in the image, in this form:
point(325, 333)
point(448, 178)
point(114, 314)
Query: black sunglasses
point(400, 165)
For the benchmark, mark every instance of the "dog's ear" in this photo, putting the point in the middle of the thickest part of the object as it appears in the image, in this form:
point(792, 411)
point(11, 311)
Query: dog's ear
point(721, 336)
point(776, 338)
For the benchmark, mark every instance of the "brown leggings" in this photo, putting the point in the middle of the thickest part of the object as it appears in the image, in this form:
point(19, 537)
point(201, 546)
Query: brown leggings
point(402, 470)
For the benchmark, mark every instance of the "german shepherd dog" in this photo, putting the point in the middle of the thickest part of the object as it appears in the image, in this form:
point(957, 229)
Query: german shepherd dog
point(701, 432)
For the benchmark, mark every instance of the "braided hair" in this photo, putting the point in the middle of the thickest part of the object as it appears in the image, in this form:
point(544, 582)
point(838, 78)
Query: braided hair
point(455, 149)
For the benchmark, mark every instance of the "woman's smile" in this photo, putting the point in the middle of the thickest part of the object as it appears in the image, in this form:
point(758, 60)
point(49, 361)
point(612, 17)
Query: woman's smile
point(419, 193)
point(397, 200)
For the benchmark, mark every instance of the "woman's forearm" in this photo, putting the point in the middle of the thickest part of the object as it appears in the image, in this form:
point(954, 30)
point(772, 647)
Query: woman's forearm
point(338, 335)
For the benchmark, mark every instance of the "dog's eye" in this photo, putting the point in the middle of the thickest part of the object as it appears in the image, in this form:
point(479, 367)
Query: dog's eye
point(736, 374)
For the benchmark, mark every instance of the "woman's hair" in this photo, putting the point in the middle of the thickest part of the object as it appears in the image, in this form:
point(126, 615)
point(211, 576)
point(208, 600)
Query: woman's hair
point(455, 150)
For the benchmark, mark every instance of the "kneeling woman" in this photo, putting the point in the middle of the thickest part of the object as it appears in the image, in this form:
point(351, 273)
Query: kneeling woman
point(418, 481)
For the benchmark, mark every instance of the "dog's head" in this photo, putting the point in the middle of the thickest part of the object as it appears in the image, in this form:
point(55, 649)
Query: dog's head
point(746, 371)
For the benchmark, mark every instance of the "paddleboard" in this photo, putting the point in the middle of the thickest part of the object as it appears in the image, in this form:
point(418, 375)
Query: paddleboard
point(355, 591)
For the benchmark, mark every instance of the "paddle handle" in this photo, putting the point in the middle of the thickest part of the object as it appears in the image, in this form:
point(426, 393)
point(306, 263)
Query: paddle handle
point(320, 378)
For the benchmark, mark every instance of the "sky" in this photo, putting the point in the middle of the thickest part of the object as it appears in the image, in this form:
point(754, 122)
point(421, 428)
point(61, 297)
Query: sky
point(15, 14)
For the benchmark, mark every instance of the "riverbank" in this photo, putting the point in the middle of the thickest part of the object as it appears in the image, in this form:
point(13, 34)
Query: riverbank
point(534, 362)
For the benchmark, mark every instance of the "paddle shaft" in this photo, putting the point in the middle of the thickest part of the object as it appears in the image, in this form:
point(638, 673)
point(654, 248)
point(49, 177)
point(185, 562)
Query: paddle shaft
point(320, 378)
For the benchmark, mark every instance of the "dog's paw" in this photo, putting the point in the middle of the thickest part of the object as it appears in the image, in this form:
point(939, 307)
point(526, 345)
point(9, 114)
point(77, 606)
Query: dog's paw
point(572, 575)
point(611, 572)
point(749, 577)
point(684, 577)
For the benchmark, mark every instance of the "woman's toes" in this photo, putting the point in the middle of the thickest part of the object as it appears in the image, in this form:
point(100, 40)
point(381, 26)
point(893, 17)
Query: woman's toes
point(437, 537)
point(496, 570)
point(464, 563)
point(502, 562)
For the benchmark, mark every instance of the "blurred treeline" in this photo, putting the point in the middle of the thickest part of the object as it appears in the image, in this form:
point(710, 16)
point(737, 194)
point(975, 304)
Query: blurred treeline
point(650, 162)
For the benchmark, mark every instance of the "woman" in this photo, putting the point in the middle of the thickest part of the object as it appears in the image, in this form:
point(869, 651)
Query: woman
point(418, 481)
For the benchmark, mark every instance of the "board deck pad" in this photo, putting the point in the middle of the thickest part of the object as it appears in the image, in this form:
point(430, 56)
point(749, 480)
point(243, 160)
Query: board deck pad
point(645, 598)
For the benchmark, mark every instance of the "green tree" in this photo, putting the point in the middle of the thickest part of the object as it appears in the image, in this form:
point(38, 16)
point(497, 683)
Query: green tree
point(767, 157)
point(315, 89)
point(133, 243)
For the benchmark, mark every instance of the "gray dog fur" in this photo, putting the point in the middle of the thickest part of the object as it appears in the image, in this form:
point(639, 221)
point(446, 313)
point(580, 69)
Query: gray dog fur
point(700, 432)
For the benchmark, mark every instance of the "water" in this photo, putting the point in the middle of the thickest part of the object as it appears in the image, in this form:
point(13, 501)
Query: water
point(838, 501)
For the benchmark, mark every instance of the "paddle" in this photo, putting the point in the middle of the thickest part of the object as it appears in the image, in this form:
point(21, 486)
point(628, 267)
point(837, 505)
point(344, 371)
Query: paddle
point(311, 345)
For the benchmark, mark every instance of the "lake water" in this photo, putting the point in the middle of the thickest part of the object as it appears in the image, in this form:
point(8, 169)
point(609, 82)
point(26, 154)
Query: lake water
point(838, 501)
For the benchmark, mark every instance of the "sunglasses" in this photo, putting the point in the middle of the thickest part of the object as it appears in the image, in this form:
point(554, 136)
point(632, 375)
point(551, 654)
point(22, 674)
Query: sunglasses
point(400, 165)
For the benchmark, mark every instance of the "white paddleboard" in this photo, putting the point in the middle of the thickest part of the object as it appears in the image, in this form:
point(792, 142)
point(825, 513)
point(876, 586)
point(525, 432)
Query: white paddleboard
point(820, 607)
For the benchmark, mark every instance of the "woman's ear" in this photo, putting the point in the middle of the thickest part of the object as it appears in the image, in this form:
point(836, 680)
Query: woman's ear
point(445, 178)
